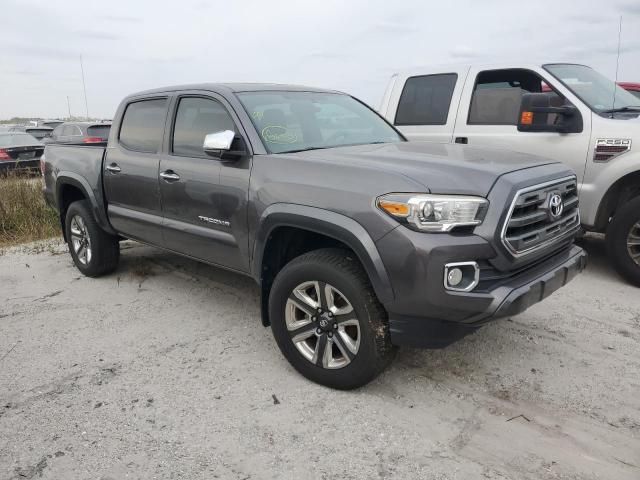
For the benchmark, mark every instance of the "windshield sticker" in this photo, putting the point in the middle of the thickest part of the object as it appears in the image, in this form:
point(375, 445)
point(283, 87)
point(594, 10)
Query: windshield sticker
point(257, 115)
point(278, 134)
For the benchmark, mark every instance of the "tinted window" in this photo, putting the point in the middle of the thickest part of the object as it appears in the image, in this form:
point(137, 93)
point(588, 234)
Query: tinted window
point(143, 124)
point(426, 100)
point(70, 130)
point(39, 132)
point(101, 131)
point(58, 131)
point(498, 93)
point(195, 119)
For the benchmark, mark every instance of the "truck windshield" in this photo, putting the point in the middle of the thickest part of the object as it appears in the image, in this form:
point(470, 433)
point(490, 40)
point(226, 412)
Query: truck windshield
point(295, 121)
point(594, 89)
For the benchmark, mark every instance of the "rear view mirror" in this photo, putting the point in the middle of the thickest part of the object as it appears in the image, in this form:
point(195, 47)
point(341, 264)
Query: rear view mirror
point(538, 114)
point(224, 145)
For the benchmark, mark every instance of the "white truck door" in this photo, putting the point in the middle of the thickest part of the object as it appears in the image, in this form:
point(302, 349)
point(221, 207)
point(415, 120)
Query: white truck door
point(424, 107)
point(489, 109)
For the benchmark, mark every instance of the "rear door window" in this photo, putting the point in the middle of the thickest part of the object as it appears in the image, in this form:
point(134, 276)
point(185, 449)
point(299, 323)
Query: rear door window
point(425, 100)
point(143, 125)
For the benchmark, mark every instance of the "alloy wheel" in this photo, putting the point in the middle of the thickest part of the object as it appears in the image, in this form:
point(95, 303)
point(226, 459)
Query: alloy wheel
point(633, 243)
point(80, 240)
point(322, 324)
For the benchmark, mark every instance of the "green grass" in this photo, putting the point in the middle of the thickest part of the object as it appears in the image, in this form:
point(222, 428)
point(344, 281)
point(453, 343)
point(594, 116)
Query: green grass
point(24, 215)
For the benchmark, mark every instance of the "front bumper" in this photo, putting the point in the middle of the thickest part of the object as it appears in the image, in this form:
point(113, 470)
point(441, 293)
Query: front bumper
point(424, 314)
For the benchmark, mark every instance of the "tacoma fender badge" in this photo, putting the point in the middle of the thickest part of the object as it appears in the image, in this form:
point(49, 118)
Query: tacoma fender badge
point(215, 221)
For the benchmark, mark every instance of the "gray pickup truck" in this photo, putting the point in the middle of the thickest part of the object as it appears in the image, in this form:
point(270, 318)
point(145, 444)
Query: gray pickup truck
point(359, 240)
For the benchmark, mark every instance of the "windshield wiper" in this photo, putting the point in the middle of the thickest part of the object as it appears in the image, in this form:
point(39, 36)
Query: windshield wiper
point(305, 149)
point(631, 108)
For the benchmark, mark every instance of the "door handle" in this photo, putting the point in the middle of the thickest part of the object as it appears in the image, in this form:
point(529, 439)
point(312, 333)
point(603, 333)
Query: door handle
point(462, 140)
point(169, 176)
point(113, 168)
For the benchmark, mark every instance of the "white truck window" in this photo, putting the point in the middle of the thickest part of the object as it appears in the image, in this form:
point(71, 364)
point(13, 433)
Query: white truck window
point(425, 100)
point(497, 95)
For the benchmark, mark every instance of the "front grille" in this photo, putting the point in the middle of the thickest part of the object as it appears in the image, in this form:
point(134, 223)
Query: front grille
point(532, 222)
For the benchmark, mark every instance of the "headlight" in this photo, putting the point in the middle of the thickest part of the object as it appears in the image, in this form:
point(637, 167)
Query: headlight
point(434, 213)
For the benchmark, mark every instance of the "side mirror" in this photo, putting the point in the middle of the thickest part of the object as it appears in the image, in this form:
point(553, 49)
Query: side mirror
point(537, 114)
point(224, 145)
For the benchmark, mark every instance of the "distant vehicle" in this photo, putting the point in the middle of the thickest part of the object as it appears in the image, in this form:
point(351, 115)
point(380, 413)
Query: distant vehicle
point(633, 88)
point(19, 151)
point(81, 132)
point(40, 133)
point(50, 123)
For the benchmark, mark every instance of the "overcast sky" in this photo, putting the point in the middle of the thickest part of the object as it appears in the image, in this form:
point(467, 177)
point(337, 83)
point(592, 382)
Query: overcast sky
point(350, 45)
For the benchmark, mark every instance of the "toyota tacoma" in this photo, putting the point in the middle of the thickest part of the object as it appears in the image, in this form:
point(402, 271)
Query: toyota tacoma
point(359, 240)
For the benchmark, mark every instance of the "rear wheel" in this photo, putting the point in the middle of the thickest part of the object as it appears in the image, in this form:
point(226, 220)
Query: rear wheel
point(623, 241)
point(94, 251)
point(327, 320)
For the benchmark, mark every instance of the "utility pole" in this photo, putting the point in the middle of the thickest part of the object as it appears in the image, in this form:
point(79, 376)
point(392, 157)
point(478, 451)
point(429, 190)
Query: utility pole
point(84, 86)
point(69, 107)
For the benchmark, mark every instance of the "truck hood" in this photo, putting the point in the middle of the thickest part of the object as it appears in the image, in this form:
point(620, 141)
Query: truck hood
point(440, 168)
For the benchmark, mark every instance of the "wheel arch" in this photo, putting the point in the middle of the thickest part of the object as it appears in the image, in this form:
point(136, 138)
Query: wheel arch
point(302, 229)
point(71, 187)
point(620, 192)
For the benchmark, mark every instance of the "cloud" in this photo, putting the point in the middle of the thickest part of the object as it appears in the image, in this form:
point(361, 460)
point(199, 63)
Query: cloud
point(350, 46)
point(97, 35)
point(630, 8)
point(122, 19)
point(463, 52)
point(588, 18)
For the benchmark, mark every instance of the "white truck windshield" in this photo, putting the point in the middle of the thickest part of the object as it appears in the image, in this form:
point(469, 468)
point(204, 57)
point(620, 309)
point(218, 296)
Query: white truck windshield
point(597, 91)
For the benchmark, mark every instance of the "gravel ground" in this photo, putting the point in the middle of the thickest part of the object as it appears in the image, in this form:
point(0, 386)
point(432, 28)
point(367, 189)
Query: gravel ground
point(162, 370)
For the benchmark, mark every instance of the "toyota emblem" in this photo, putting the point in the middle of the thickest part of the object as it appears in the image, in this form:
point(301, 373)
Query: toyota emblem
point(556, 205)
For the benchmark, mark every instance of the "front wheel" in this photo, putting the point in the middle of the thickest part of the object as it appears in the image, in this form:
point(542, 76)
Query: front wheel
point(623, 241)
point(94, 251)
point(327, 320)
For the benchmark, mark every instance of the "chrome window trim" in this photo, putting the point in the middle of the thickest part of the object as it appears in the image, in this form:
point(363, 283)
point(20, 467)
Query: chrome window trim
point(503, 233)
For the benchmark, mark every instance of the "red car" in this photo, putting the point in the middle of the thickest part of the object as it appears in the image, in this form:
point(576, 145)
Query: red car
point(634, 88)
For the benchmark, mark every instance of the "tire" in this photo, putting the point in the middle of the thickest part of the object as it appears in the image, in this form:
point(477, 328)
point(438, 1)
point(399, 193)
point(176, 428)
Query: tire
point(103, 252)
point(357, 352)
point(623, 241)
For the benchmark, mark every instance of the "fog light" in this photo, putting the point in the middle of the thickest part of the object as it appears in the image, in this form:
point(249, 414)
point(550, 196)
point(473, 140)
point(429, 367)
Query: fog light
point(454, 277)
point(461, 276)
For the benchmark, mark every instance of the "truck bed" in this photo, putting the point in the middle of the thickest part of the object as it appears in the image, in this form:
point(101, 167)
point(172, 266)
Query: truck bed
point(82, 165)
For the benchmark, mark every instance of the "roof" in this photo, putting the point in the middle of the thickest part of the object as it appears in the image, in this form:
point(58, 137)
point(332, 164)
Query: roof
point(453, 67)
point(86, 124)
point(235, 88)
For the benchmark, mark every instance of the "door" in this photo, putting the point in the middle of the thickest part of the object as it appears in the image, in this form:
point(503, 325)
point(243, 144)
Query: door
point(489, 110)
point(131, 171)
point(204, 198)
point(426, 105)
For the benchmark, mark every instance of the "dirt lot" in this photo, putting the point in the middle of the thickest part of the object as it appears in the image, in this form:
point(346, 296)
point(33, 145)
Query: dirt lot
point(162, 370)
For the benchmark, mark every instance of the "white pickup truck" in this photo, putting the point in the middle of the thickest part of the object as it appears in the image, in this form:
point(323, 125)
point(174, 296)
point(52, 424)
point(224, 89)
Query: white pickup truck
point(560, 111)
